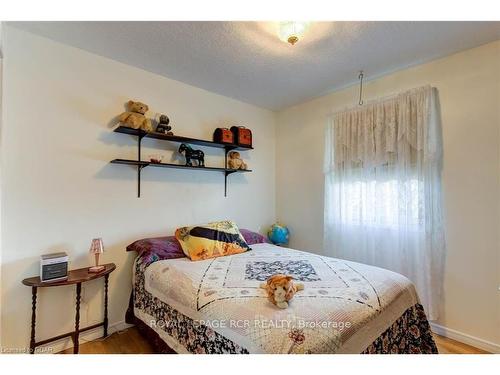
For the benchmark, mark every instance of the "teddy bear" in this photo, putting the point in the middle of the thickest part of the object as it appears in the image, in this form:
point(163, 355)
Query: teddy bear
point(134, 118)
point(163, 125)
point(281, 289)
point(235, 161)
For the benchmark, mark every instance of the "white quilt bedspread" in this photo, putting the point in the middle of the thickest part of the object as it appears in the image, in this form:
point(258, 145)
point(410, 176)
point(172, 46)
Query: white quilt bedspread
point(344, 307)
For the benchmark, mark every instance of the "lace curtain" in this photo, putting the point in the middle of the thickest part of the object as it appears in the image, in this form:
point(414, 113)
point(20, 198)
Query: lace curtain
point(383, 201)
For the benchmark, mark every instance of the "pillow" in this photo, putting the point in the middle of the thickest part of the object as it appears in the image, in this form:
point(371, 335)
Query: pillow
point(158, 248)
point(211, 240)
point(253, 238)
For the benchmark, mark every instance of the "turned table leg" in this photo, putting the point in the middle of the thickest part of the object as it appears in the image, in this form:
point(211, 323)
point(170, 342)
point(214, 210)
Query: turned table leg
point(106, 277)
point(77, 318)
point(33, 319)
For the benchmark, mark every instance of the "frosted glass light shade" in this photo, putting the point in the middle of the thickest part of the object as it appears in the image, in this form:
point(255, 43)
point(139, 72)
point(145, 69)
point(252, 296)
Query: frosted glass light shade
point(96, 247)
point(291, 31)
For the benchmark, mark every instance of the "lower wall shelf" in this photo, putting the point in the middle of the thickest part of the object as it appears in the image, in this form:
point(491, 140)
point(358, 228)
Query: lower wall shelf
point(176, 166)
point(143, 164)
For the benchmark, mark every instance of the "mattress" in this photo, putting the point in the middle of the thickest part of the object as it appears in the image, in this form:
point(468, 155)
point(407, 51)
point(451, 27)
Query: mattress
point(217, 305)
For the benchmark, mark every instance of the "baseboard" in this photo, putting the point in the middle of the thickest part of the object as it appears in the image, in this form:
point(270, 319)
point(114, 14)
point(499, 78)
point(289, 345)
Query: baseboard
point(90, 335)
point(465, 338)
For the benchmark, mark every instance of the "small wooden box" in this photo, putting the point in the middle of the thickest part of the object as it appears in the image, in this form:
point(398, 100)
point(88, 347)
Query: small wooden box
point(223, 135)
point(242, 136)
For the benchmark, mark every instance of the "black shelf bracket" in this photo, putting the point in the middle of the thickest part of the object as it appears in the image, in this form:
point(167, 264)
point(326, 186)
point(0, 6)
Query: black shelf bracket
point(226, 173)
point(227, 150)
point(140, 166)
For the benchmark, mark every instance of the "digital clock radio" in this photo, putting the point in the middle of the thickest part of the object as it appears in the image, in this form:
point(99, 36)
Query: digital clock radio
point(54, 267)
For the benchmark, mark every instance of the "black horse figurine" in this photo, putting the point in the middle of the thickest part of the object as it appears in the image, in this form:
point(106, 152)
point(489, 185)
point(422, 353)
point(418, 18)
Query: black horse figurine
point(191, 154)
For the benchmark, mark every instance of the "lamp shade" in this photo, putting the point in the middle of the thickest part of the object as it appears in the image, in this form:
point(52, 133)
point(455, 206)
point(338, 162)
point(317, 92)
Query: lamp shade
point(96, 247)
point(291, 31)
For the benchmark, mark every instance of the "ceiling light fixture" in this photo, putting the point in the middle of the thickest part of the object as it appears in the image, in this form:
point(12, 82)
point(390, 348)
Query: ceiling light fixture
point(291, 31)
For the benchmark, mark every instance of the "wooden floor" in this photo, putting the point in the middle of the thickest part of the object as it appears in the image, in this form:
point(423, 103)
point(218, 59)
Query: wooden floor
point(130, 341)
point(449, 346)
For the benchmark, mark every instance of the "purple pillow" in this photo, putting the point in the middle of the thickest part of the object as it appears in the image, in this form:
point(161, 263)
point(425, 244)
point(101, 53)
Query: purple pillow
point(157, 248)
point(252, 238)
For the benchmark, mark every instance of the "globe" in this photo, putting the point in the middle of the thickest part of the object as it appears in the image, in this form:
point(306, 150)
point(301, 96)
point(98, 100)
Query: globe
point(278, 234)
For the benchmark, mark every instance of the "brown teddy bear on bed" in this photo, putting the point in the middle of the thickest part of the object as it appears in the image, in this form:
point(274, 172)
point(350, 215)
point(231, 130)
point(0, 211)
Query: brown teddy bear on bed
point(281, 289)
point(134, 118)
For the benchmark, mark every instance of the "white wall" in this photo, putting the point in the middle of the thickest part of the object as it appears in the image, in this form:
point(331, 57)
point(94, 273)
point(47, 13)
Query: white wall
point(469, 93)
point(59, 190)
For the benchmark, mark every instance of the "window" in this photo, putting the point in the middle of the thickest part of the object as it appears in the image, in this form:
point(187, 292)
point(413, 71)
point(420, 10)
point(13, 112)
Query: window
point(379, 203)
point(383, 189)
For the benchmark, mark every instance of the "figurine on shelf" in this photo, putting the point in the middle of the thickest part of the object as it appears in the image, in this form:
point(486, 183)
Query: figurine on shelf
point(155, 158)
point(235, 161)
point(163, 125)
point(191, 154)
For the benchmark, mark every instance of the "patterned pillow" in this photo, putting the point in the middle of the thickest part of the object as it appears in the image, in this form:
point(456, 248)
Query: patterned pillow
point(253, 237)
point(211, 240)
point(159, 248)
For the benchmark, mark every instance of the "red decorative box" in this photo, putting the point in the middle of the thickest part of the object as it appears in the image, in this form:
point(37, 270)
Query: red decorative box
point(242, 136)
point(223, 135)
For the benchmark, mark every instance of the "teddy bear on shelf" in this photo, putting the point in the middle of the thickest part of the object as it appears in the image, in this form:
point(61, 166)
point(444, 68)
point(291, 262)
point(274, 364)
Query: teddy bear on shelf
point(281, 289)
point(235, 161)
point(163, 125)
point(134, 118)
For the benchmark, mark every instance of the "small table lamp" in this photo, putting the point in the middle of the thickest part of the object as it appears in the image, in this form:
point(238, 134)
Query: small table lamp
point(96, 248)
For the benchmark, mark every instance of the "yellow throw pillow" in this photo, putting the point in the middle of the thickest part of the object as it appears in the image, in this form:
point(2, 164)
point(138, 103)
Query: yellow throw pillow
point(211, 240)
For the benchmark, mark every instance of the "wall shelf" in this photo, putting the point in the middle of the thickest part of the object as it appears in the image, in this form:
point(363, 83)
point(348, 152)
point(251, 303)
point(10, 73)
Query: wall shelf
point(140, 164)
point(144, 164)
point(179, 139)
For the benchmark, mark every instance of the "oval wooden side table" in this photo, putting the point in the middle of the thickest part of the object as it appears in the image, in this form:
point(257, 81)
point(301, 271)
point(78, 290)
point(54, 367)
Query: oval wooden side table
point(77, 277)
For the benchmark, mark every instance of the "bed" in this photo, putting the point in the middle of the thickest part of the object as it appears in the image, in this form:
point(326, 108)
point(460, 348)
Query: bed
point(216, 305)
